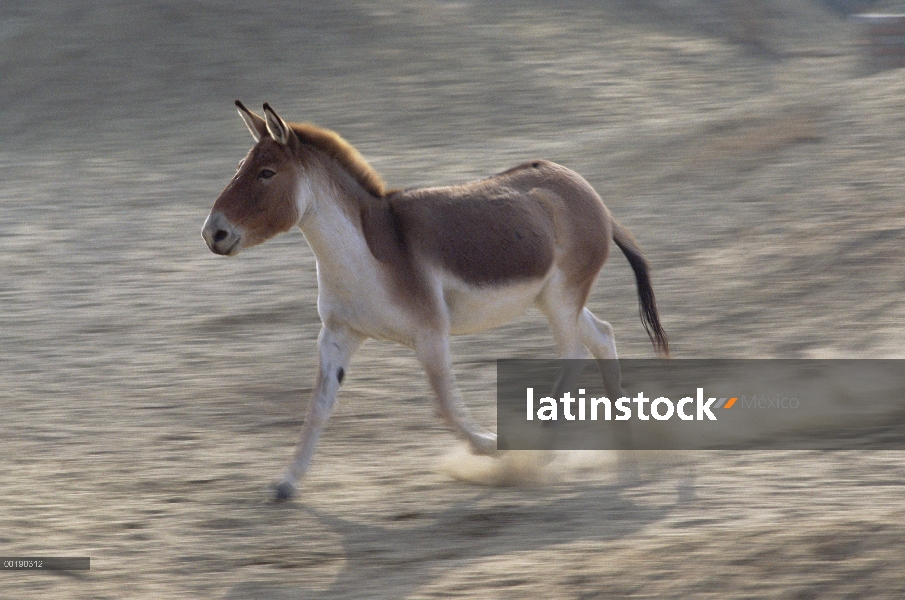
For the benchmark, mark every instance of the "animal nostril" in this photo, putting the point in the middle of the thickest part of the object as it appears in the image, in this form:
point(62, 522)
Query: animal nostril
point(220, 236)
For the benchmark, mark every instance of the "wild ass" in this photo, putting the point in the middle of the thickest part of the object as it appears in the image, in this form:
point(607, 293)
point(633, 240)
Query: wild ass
point(416, 266)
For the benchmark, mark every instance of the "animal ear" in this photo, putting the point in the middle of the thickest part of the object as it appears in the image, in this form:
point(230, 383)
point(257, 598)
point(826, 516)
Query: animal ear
point(255, 124)
point(277, 128)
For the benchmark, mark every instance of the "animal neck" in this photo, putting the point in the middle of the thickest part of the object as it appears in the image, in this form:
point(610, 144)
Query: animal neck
point(331, 221)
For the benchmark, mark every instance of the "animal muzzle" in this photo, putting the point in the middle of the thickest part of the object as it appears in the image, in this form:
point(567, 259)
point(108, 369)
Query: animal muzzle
point(221, 236)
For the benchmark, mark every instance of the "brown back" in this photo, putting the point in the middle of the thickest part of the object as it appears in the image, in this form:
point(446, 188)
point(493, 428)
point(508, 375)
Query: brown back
point(496, 230)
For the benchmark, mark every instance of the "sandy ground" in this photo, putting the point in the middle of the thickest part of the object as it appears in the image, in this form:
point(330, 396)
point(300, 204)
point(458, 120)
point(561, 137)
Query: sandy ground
point(151, 391)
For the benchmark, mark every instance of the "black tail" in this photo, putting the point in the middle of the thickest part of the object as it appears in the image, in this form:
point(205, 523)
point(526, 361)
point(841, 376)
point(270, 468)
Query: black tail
point(648, 309)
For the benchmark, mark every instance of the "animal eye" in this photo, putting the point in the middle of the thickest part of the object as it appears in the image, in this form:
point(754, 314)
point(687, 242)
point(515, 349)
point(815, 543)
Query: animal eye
point(266, 174)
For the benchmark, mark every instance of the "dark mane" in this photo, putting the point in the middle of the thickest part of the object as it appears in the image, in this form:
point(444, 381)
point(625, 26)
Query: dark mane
point(334, 146)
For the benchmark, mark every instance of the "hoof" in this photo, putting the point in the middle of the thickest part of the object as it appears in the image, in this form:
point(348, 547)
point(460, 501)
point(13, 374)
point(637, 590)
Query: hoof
point(283, 491)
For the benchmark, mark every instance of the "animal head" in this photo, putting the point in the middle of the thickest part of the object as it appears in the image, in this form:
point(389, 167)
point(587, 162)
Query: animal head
point(288, 169)
point(262, 199)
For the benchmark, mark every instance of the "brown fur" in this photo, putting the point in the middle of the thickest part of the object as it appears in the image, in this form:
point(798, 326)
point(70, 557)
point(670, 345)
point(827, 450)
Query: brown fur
point(387, 240)
point(262, 208)
point(510, 227)
point(503, 229)
point(338, 149)
point(488, 232)
point(406, 266)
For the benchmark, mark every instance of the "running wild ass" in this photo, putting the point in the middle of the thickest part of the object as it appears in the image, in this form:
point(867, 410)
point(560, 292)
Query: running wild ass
point(416, 266)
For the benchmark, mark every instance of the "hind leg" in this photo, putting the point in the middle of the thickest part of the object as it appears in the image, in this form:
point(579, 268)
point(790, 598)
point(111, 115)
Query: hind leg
point(598, 336)
point(561, 311)
point(576, 331)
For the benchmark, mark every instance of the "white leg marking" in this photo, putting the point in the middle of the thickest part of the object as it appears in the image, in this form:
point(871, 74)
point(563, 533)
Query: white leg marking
point(335, 349)
point(560, 311)
point(433, 352)
point(598, 336)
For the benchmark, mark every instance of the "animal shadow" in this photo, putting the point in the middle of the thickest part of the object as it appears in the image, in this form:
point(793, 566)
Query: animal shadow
point(395, 559)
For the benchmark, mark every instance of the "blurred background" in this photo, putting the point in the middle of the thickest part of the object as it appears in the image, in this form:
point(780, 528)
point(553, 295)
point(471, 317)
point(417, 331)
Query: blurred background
point(150, 390)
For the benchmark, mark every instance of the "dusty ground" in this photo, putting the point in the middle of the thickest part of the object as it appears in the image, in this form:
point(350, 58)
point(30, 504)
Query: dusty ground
point(150, 391)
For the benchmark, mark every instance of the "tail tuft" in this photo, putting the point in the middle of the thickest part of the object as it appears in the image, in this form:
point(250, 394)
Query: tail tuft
point(650, 318)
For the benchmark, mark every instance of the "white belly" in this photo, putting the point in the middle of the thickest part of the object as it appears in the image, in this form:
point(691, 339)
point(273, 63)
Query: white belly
point(476, 308)
point(366, 303)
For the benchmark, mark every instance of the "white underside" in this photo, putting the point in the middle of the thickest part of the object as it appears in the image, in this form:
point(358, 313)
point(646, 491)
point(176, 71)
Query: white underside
point(356, 291)
point(368, 305)
point(477, 308)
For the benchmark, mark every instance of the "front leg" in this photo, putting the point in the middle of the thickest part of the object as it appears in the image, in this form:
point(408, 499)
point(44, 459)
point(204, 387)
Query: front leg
point(433, 352)
point(335, 347)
